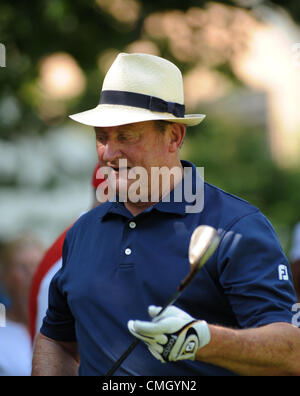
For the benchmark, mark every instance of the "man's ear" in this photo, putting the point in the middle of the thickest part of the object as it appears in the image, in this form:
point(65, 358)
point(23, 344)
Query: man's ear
point(176, 133)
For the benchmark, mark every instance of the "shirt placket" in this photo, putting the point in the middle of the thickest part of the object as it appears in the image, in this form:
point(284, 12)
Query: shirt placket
point(128, 253)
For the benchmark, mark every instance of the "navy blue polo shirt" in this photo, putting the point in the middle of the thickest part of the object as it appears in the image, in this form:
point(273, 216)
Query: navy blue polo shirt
point(115, 265)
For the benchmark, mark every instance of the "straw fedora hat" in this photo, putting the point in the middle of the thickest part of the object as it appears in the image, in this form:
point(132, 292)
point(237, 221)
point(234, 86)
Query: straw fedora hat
point(136, 88)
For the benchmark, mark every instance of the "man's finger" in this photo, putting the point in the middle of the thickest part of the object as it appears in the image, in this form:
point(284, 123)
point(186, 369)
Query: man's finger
point(153, 310)
point(131, 328)
point(147, 331)
point(149, 328)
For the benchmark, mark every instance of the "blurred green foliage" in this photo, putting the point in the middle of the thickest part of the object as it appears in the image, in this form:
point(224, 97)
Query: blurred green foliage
point(80, 28)
point(33, 31)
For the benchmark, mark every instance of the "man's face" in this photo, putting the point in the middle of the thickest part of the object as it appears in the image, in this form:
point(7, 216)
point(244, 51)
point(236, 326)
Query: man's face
point(140, 144)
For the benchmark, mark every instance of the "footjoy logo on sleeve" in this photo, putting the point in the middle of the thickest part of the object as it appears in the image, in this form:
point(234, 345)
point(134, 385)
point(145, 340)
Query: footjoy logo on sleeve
point(283, 272)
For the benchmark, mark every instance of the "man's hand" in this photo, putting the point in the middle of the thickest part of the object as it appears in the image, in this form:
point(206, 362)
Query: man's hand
point(173, 335)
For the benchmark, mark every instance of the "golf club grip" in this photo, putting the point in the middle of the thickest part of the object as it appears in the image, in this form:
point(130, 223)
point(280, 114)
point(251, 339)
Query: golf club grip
point(131, 347)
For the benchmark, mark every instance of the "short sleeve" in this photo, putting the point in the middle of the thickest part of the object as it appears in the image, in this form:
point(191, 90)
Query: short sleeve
point(255, 273)
point(59, 323)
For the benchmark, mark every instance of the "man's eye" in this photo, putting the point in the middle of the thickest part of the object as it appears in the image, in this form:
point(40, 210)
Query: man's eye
point(100, 139)
point(123, 138)
point(129, 138)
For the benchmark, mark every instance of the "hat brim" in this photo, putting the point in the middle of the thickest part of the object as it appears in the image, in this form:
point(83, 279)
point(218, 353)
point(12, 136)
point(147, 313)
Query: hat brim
point(114, 115)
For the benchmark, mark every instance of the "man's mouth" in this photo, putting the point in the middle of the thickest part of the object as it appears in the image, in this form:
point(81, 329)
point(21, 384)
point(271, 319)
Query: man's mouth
point(118, 170)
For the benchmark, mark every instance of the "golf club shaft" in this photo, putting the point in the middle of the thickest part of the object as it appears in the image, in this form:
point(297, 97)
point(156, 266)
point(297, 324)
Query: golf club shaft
point(171, 301)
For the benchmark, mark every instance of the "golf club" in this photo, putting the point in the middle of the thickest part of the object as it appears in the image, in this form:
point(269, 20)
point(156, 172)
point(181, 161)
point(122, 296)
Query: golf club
point(203, 243)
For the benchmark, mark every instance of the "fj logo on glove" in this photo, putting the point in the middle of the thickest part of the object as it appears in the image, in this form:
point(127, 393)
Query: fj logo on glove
point(190, 347)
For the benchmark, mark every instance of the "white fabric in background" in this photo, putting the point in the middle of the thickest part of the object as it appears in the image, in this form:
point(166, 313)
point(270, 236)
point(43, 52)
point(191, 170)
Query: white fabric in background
point(15, 350)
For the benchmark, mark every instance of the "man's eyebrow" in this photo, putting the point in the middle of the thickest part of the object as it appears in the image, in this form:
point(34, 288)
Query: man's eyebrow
point(121, 130)
point(127, 129)
point(99, 130)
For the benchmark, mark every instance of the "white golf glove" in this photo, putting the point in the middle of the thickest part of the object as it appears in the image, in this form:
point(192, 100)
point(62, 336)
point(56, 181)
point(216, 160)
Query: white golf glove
point(173, 335)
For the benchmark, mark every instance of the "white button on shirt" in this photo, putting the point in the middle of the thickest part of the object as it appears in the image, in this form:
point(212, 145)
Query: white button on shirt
point(127, 251)
point(132, 224)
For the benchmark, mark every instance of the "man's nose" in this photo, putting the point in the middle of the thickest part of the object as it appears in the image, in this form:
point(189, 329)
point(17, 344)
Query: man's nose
point(111, 151)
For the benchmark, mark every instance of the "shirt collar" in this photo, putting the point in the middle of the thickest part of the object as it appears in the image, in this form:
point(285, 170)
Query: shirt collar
point(178, 201)
point(182, 197)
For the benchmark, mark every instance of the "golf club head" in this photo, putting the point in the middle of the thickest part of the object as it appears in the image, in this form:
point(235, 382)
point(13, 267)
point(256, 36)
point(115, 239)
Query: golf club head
point(204, 241)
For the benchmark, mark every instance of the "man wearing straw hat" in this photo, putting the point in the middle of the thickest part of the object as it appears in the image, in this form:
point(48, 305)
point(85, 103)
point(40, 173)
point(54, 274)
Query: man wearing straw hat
point(131, 252)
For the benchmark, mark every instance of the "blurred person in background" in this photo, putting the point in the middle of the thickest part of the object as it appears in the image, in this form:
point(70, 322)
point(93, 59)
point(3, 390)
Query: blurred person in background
point(49, 265)
point(18, 260)
point(295, 259)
